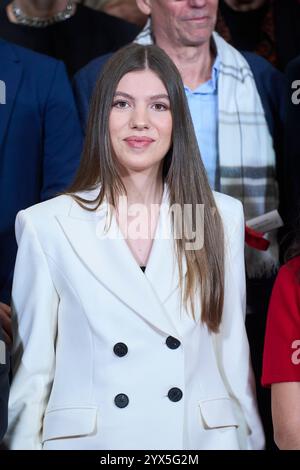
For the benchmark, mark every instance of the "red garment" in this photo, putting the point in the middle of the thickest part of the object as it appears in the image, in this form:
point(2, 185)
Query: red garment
point(256, 239)
point(281, 361)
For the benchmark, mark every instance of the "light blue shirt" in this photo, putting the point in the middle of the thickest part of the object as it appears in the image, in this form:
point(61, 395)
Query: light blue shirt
point(203, 104)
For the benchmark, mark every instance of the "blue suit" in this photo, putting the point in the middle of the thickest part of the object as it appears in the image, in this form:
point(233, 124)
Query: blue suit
point(40, 141)
point(84, 83)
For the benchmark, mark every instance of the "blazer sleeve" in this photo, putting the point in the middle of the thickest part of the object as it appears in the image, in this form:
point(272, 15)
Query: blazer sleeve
point(232, 346)
point(4, 386)
point(35, 305)
point(62, 136)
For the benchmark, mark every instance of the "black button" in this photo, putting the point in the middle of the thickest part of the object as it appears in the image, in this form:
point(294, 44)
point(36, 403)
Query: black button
point(175, 394)
point(120, 349)
point(172, 342)
point(121, 400)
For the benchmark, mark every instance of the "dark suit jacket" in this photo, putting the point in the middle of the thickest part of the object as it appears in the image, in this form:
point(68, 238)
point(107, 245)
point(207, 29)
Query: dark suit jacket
point(77, 41)
point(40, 141)
point(272, 30)
point(292, 147)
point(4, 386)
point(84, 83)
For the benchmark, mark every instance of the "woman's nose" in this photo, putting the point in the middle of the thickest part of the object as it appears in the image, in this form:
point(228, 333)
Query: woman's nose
point(139, 118)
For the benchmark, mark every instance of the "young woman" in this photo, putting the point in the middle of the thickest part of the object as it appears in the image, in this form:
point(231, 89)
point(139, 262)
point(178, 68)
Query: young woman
point(108, 356)
point(281, 364)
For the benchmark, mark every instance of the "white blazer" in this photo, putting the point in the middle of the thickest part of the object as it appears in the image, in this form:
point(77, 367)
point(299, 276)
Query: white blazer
point(105, 359)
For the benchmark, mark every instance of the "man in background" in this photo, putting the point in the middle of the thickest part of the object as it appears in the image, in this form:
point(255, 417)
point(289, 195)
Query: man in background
point(40, 146)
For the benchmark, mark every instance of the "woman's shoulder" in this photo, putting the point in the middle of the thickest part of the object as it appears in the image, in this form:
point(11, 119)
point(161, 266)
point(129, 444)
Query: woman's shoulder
point(41, 219)
point(232, 216)
point(228, 206)
point(50, 208)
point(58, 206)
point(290, 271)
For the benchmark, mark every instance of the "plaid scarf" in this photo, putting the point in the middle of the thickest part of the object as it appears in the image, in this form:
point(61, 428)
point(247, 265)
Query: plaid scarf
point(246, 154)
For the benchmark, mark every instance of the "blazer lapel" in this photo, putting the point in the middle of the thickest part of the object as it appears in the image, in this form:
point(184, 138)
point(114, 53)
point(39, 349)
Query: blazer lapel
point(10, 74)
point(109, 259)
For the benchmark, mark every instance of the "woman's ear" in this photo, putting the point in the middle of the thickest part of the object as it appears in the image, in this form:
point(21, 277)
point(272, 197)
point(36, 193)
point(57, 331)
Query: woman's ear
point(144, 6)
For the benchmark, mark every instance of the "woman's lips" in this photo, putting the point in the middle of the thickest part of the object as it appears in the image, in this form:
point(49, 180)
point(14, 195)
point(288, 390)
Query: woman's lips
point(138, 142)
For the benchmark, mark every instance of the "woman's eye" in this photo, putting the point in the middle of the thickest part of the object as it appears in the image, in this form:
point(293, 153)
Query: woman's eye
point(120, 104)
point(160, 106)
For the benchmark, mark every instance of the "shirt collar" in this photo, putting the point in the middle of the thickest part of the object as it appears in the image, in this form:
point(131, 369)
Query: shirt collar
point(211, 86)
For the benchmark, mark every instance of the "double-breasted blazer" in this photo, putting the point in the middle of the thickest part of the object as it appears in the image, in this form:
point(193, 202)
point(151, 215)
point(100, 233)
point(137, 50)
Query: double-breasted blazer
point(105, 355)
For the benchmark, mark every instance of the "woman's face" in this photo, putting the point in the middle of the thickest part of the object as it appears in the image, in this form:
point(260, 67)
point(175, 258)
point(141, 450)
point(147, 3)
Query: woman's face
point(140, 122)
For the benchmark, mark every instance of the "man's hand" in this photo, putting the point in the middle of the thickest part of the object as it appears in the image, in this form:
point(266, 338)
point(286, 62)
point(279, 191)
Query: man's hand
point(5, 321)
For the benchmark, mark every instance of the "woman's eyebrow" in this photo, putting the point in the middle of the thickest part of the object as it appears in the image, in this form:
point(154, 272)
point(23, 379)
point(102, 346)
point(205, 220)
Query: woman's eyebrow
point(152, 97)
point(159, 97)
point(125, 95)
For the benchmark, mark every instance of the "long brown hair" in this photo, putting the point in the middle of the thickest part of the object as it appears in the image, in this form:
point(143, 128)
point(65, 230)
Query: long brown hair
point(183, 173)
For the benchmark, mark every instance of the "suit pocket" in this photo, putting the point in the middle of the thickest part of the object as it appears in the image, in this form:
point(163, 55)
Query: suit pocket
point(218, 413)
point(69, 422)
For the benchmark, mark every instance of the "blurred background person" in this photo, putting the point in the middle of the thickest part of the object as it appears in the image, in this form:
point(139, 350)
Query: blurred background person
point(281, 364)
point(292, 150)
point(40, 146)
point(269, 28)
point(126, 9)
point(64, 29)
